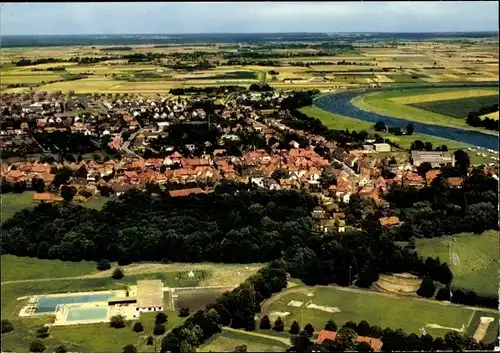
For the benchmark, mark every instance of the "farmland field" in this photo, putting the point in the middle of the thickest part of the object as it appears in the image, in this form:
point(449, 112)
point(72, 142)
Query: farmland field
point(458, 108)
point(197, 298)
point(478, 267)
point(384, 103)
point(493, 116)
point(384, 310)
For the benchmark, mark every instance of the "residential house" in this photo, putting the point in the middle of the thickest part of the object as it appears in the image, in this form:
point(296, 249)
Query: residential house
point(455, 182)
point(435, 158)
point(185, 192)
point(375, 343)
point(389, 222)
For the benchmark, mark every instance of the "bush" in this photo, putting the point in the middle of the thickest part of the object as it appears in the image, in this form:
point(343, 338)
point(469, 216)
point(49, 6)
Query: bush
point(279, 325)
point(159, 330)
point(149, 341)
point(443, 294)
point(331, 326)
point(138, 327)
point(427, 288)
point(129, 348)
point(184, 312)
point(6, 326)
point(37, 346)
point(161, 318)
point(103, 265)
point(265, 323)
point(42, 332)
point(117, 321)
point(295, 328)
point(118, 273)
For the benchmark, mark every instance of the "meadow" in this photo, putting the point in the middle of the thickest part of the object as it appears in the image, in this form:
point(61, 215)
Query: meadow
point(384, 310)
point(478, 267)
point(226, 341)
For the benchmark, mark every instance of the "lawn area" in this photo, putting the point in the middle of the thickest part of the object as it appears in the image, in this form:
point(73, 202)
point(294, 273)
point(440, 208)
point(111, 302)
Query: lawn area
point(383, 103)
point(457, 108)
point(226, 341)
point(33, 268)
point(376, 308)
point(339, 122)
point(478, 267)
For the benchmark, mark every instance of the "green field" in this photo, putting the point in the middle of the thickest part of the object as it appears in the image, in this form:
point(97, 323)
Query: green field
point(457, 108)
point(235, 75)
point(380, 102)
point(338, 122)
point(405, 78)
point(376, 308)
point(478, 267)
point(16, 268)
point(226, 341)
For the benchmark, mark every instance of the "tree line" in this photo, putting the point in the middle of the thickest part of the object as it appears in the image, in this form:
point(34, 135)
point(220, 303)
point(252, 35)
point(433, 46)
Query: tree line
point(474, 118)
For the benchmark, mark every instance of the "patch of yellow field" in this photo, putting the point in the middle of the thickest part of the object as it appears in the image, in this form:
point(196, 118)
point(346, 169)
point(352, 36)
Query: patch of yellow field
point(34, 78)
point(383, 78)
point(87, 85)
point(493, 116)
point(420, 98)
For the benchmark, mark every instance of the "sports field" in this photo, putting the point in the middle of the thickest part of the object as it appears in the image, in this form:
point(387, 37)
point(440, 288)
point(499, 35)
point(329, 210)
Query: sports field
point(478, 256)
point(385, 310)
point(385, 103)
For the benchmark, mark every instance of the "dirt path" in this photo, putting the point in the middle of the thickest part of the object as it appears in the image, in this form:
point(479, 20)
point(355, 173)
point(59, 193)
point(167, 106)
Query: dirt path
point(256, 334)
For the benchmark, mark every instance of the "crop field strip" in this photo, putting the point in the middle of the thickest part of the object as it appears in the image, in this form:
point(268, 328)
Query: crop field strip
point(458, 108)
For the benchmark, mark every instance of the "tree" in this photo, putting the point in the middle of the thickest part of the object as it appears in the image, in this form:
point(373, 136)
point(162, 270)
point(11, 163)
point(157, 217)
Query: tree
point(309, 329)
point(345, 337)
point(37, 346)
point(6, 326)
point(184, 312)
point(279, 174)
point(363, 328)
point(427, 288)
point(410, 128)
point(428, 146)
point(331, 326)
point(161, 318)
point(265, 323)
point(149, 341)
point(417, 145)
point(443, 294)
point(38, 184)
point(117, 321)
point(380, 126)
point(42, 332)
point(295, 328)
point(129, 348)
point(364, 347)
point(68, 192)
point(138, 327)
point(424, 168)
point(279, 325)
point(61, 349)
point(240, 349)
point(103, 265)
point(159, 330)
point(462, 161)
point(301, 342)
point(118, 273)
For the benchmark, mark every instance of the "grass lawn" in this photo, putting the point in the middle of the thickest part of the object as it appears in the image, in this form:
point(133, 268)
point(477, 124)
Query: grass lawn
point(378, 309)
point(16, 268)
point(478, 267)
point(226, 341)
point(382, 103)
point(339, 122)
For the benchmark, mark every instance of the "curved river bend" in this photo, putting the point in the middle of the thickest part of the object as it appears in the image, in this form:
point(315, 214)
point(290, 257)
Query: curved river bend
point(340, 103)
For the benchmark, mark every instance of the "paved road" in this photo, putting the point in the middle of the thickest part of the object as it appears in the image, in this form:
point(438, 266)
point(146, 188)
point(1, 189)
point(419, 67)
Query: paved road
point(127, 143)
point(256, 334)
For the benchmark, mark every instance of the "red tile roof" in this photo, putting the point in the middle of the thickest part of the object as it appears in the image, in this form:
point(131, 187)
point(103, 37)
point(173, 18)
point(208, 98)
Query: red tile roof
point(185, 192)
point(375, 343)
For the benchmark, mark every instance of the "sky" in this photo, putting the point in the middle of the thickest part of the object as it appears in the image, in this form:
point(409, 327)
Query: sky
point(246, 17)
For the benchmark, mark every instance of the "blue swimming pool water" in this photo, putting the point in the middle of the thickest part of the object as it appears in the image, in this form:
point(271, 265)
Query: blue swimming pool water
point(47, 304)
point(77, 314)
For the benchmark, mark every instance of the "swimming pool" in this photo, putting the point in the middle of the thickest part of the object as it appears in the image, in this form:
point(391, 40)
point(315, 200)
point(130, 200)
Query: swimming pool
point(77, 314)
point(46, 304)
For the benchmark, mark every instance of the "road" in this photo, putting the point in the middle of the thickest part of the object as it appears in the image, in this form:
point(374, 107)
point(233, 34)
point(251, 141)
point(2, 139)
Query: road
point(125, 145)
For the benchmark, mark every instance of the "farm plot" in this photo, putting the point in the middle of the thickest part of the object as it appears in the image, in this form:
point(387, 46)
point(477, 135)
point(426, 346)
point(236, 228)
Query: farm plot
point(378, 309)
point(493, 116)
point(196, 299)
point(458, 108)
point(228, 340)
point(422, 97)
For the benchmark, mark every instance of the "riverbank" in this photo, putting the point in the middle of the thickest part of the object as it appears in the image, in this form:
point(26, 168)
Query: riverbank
point(386, 103)
point(339, 122)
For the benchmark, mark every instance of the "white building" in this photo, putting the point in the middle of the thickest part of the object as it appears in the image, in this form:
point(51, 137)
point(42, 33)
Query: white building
point(149, 296)
point(382, 147)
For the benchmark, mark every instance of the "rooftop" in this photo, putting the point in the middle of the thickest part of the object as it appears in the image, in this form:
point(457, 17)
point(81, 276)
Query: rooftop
point(149, 293)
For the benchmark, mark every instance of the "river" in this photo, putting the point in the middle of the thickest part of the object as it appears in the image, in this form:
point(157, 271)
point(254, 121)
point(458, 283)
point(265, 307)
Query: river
point(340, 103)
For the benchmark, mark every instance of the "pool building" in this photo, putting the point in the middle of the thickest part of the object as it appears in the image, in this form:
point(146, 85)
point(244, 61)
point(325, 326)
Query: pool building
point(98, 307)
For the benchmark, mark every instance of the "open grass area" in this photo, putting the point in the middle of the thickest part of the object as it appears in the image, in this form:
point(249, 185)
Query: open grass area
point(338, 122)
point(15, 268)
point(226, 341)
point(376, 308)
point(458, 108)
point(383, 103)
point(493, 116)
point(478, 267)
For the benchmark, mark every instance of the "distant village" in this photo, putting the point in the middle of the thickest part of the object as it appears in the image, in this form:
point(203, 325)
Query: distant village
point(130, 125)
